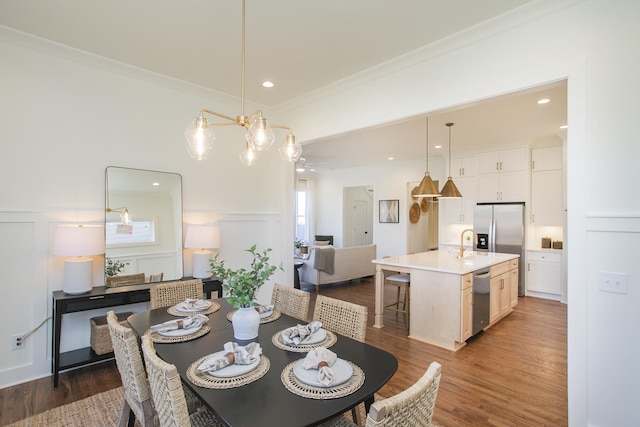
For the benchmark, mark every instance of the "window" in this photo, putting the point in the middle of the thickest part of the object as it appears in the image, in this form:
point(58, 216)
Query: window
point(139, 231)
point(302, 231)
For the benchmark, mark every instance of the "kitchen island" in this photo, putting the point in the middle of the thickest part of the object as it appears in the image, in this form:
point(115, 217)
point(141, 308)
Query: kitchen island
point(441, 295)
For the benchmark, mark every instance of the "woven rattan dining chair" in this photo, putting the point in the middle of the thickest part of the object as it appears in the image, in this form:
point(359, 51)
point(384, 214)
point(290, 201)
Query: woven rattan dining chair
point(168, 395)
point(290, 301)
point(411, 407)
point(346, 319)
point(343, 317)
point(172, 293)
point(137, 395)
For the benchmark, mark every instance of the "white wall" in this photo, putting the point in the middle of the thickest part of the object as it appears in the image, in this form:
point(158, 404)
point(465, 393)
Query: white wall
point(66, 116)
point(592, 44)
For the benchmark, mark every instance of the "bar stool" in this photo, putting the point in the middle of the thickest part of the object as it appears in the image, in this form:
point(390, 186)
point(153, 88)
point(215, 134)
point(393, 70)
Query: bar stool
point(400, 281)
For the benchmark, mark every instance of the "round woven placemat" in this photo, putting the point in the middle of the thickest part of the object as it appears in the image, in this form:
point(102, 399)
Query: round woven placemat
point(295, 386)
point(212, 309)
point(156, 337)
point(207, 381)
point(329, 340)
point(275, 315)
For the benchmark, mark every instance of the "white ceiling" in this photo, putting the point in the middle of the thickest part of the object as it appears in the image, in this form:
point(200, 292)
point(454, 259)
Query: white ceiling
point(512, 119)
point(300, 45)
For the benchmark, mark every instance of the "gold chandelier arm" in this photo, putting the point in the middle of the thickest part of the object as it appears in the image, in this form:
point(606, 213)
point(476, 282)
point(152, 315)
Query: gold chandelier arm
point(118, 210)
point(281, 127)
point(234, 123)
point(213, 113)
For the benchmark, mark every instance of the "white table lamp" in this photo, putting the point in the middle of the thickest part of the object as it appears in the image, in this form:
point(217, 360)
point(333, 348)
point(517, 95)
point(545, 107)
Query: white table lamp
point(204, 238)
point(78, 242)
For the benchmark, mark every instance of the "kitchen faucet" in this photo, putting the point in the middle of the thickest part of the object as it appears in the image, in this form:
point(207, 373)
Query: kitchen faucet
point(461, 254)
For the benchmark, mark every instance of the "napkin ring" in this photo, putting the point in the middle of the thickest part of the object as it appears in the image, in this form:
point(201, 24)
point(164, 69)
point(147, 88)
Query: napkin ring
point(322, 364)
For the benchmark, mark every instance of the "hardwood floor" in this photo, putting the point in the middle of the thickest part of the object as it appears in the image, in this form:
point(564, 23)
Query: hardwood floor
point(513, 374)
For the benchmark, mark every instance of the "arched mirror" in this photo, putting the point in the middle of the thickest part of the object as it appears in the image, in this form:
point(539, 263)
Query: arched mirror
point(143, 226)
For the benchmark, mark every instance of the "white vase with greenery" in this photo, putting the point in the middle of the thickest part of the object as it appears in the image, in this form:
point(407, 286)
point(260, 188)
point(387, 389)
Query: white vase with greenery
point(240, 288)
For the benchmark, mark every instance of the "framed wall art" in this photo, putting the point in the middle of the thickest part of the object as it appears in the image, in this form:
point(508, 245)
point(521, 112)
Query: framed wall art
point(389, 211)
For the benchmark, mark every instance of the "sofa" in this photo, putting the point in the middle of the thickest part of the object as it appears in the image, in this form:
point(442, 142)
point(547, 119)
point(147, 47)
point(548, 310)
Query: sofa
point(349, 263)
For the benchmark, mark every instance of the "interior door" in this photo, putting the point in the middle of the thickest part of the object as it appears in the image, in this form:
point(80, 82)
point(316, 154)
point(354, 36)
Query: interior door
point(359, 232)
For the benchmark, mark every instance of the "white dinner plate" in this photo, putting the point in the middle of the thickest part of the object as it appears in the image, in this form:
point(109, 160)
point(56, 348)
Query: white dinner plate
point(316, 337)
point(180, 332)
point(231, 370)
point(182, 308)
point(265, 315)
point(341, 370)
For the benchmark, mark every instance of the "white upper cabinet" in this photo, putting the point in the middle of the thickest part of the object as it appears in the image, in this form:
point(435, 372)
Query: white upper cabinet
point(546, 159)
point(462, 167)
point(460, 211)
point(547, 198)
point(547, 195)
point(502, 176)
point(501, 161)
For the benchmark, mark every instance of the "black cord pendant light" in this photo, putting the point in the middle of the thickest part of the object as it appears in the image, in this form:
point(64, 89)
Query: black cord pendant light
point(450, 191)
point(427, 187)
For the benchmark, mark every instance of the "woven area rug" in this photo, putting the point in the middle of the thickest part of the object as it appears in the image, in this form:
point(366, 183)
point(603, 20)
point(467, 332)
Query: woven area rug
point(102, 409)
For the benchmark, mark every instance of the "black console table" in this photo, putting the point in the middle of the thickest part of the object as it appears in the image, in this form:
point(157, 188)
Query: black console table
point(99, 297)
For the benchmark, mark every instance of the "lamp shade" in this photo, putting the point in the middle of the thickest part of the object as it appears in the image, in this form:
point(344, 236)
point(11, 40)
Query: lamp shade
point(202, 237)
point(78, 242)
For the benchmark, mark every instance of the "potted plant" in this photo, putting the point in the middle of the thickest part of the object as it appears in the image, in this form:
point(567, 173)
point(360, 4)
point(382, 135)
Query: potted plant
point(297, 243)
point(112, 268)
point(240, 287)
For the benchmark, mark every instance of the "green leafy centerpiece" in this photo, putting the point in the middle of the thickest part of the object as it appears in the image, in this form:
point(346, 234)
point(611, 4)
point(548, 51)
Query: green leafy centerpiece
point(240, 287)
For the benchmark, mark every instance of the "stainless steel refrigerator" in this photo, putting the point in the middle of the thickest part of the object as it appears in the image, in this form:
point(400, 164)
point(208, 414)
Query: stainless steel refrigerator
point(500, 228)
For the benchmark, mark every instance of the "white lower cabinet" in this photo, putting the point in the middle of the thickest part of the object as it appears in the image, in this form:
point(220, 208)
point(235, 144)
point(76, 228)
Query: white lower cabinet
point(500, 292)
point(544, 272)
point(466, 306)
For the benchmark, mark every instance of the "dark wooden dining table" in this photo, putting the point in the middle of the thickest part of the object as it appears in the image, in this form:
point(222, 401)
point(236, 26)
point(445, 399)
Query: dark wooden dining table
point(266, 401)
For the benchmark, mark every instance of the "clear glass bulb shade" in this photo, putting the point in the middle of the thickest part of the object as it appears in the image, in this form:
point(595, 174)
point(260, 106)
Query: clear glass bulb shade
point(249, 156)
point(290, 150)
point(200, 138)
point(260, 135)
point(125, 217)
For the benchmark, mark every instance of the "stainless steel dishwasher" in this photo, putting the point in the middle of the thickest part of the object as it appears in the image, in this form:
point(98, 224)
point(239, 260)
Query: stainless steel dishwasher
point(481, 299)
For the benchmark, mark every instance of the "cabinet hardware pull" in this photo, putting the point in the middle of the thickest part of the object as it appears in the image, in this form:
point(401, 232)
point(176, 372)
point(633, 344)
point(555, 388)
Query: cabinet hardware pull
point(98, 297)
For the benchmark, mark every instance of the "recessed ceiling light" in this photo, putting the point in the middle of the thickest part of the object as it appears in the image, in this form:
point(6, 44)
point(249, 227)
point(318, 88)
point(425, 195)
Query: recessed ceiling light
point(564, 127)
point(267, 84)
point(390, 158)
point(438, 146)
point(544, 101)
point(155, 184)
point(299, 169)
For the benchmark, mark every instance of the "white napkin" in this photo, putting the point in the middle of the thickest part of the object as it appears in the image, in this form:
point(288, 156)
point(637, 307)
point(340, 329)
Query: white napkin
point(297, 334)
point(264, 309)
point(234, 353)
point(195, 304)
point(322, 359)
point(186, 323)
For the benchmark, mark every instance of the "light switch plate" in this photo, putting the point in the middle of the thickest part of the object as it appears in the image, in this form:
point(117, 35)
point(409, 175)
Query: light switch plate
point(613, 282)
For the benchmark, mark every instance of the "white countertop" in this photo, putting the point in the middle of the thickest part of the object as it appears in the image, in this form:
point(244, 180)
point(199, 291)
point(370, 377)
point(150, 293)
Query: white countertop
point(447, 261)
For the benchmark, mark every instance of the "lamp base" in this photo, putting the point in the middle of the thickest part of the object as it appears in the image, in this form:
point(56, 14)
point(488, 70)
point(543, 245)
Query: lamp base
point(201, 266)
point(77, 275)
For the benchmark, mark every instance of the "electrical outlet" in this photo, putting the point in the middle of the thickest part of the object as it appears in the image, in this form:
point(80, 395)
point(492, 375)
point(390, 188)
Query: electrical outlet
point(17, 343)
point(613, 282)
